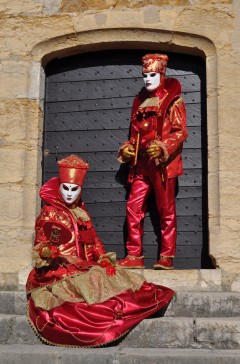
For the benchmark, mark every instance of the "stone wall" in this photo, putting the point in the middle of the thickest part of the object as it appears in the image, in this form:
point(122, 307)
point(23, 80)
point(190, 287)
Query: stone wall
point(32, 32)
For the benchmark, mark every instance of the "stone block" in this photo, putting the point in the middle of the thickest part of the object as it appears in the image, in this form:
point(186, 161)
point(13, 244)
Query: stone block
point(220, 333)
point(15, 245)
point(7, 302)
point(26, 7)
point(22, 333)
point(16, 329)
point(191, 19)
point(235, 285)
point(11, 197)
point(161, 332)
point(20, 303)
point(42, 354)
point(5, 328)
point(172, 279)
point(37, 354)
point(26, 121)
point(8, 281)
point(178, 356)
point(22, 33)
point(51, 6)
point(205, 304)
point(18, 205)
point(12, 162)
point(23, 275)
point(210, 279)
point(185, 280)
point(151, 14)
point(14, 79)
point(90, 356)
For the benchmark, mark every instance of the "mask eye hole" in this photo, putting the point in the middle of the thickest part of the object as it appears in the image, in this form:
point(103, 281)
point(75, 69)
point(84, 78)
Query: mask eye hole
point(65, 188)
point(152, 74)
point(75, 188)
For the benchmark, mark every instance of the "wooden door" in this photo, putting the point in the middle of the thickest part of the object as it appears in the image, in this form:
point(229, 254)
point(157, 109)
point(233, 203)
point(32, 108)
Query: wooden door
point(87, 112)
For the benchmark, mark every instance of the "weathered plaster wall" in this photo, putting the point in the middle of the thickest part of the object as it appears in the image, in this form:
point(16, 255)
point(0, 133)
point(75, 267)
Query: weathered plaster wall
point(34, 31)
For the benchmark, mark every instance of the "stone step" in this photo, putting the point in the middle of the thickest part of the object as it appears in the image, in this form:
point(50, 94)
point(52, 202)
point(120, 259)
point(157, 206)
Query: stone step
point(13, 302)
point(159, 332)
point(192, 304)
point(39, 354)
point(184, 332)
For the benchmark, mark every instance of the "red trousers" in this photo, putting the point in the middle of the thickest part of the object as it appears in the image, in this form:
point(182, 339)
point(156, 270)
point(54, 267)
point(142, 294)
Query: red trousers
point(148, 176)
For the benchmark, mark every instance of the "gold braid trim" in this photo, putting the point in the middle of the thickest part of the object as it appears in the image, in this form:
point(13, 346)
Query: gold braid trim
point(137, 148)
point(176, 103)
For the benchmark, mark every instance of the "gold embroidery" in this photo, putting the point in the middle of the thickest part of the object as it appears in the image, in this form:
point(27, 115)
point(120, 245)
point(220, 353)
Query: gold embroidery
point(93, 286)
point(176, 103)
point(152, 101)
point(40, 330)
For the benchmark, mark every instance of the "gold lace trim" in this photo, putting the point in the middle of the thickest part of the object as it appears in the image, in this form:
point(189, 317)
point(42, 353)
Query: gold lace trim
point(152, 101)
point(93, 286)
point(79, 213)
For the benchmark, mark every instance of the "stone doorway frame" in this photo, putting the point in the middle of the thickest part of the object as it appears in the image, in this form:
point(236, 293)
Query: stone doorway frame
point(98, 40)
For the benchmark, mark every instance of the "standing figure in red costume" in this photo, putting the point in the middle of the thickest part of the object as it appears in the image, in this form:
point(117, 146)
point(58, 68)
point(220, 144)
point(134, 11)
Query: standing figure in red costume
point(76, 294)
point(158, 130)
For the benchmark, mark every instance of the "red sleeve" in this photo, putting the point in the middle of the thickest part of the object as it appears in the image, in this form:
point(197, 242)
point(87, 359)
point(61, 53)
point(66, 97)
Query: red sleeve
point(178, 133)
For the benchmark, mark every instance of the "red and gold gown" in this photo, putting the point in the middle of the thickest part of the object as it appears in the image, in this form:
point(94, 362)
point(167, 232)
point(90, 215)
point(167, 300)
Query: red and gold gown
point(77, 297)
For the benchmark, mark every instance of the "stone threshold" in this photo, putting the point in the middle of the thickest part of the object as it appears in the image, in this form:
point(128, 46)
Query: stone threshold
point(14, 354)
point(179, 280)
point(193, 279)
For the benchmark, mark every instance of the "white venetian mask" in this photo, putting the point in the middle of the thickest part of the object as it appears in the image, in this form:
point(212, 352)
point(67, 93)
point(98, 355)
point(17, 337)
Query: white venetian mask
point(70, 192)
point(152, 80)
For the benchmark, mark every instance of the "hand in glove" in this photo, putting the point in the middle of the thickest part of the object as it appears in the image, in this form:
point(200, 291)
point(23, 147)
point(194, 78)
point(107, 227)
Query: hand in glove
point(128, 151)
point(49, 251)
point(154, 150)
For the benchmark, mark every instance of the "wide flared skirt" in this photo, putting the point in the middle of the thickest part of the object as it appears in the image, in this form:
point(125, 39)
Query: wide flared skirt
point(82, 325)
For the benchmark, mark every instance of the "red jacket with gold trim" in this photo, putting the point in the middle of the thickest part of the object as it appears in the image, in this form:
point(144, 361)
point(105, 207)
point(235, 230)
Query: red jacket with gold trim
point(162, 118)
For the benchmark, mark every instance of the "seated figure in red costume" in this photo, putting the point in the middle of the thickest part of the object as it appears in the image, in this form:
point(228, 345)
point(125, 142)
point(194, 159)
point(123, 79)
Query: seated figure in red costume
point(76, 294)
point(158, 130)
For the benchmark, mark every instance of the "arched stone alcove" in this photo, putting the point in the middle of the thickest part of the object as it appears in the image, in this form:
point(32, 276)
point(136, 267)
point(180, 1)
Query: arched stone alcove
point(99, 40)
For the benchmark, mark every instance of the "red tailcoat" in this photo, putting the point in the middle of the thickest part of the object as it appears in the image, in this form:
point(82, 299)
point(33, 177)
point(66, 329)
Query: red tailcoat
point(76, 296)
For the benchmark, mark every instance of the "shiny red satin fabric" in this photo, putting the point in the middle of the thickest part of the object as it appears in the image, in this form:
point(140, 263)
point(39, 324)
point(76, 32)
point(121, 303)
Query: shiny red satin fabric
point(80, 324)
point(77, 323)
point(148, 177)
